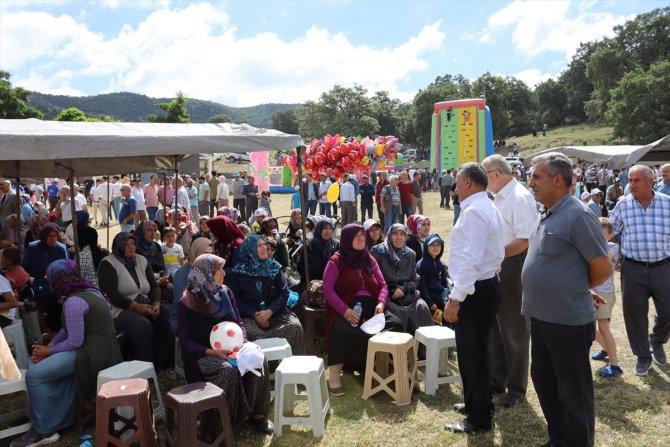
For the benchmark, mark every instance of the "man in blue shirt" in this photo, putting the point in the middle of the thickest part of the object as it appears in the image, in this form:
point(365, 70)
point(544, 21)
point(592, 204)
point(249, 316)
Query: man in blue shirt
point(128, 210)
point(663, 184)
point(53, 190)
point(367, 192)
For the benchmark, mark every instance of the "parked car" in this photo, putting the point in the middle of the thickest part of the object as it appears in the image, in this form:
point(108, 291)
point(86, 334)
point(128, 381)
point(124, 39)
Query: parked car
point(411, 155)
point(238, 157)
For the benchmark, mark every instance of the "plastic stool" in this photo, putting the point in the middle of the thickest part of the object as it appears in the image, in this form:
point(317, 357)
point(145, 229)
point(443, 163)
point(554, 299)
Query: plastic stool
point(10, 387)
point(17, 338)
point(400, 347)
point(125, 393)
point(178, 361)
point(131, 370)
point(436, 338)
point(312, 340)
point(274, 349)
point(184, 407)
point(308, 371)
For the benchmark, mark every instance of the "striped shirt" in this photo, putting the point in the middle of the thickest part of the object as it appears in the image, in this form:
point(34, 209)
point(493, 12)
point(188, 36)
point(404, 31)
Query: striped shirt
point(646, 233)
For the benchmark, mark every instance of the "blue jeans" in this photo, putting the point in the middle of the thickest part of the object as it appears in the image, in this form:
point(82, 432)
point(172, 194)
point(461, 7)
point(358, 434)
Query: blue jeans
point(151, 212)
point(116, 206)
point(310, 206)
point(391, 217)
point(324, 209)
point(407, 210)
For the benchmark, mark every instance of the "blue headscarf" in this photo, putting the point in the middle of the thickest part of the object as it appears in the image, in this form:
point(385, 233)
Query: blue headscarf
point(250, 264)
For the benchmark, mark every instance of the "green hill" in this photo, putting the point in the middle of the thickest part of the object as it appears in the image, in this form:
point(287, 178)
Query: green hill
point(577, 135)
point(133, 107)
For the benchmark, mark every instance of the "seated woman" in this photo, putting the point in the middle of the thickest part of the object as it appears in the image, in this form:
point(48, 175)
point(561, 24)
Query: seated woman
point(231, 213)
point(228, 237)
point(262, 295)
point(199, 247)
point(398, 265)
point(204, 230)
point(37, 258)
point(129, 282)
point(148, 247)
point(205, 303)
point(90, 254)
point(418, 227)
point(373, 233)
point(319, 250)
point(71, 362)
point(352, 276)
point(294, 230)
point(433, 272)
point(269, 230)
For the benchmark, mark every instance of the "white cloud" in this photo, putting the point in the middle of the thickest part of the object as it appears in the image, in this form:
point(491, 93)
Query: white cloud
point(559, 26)
point(532, 77)
point(206, 59)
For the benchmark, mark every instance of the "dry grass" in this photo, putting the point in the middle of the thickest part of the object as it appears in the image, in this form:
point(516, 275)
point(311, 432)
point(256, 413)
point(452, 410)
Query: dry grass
point(630, 410)
point(578, 135)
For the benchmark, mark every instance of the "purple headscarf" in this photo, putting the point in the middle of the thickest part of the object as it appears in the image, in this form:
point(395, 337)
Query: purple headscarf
point(46, 230)
point(326, 247)
point(64, 279)
point(359, 259)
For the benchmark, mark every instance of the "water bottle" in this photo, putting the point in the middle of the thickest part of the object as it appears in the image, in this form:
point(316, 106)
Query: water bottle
point(358, 310)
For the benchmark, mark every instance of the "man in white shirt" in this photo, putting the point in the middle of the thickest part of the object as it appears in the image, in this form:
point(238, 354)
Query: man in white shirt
point(348, 200)
point(137, 192)
point(104, 193)
point(476, 252)
point(510, 336)
point(95, 201)
point(116, 198)
point(81, 198)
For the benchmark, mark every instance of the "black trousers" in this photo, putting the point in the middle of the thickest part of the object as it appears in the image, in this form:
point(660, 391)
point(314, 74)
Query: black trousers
point(239, 204)
point(561, 373)
point(366, 210)
point(475, 320)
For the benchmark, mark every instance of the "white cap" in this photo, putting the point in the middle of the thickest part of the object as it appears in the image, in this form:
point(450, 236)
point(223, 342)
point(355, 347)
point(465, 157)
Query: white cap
point(369, 223)
point(585, 195)
point(595, 191)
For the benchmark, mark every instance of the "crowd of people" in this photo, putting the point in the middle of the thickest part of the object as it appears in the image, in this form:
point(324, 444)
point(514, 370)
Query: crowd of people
point(528, 261)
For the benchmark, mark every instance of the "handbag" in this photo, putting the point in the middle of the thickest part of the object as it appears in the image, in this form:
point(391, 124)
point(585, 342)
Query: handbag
point(315, 296)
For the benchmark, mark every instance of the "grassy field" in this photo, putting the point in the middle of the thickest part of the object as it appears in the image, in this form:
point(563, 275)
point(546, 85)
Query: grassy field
point(578, 135)
point(630, 410)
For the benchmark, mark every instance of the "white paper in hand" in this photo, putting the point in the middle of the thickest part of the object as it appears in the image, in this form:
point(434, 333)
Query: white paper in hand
point(374, 325)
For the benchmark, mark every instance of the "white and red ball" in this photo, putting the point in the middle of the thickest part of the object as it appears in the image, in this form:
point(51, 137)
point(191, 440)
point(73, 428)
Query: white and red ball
point(227, 336)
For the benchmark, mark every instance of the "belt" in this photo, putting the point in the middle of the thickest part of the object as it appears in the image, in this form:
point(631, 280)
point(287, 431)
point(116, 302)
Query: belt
point(647, 264)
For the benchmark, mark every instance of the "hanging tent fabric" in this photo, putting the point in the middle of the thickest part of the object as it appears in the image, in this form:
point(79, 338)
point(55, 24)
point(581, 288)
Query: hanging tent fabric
point(656, 152)
point(31, 147)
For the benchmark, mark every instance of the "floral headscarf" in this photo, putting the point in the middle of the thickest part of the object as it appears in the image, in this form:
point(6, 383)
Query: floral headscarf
point(63, 277)
point(119, 249)
point(250, 264)
point(232, 213)
point(414, 223)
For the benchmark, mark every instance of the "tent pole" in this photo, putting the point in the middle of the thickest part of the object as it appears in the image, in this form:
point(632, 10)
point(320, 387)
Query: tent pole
point(176, 193)
point(73, 209)
point(108, 211)
point(300, 150)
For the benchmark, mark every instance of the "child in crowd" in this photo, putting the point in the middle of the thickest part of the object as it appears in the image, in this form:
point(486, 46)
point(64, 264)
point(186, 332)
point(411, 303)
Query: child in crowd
point(244, 228)
point(173, 254)
point(13, 278)
point(606, 290)
point(265, 202)
point(259, 214)
point(295, 198)
point(433, 283)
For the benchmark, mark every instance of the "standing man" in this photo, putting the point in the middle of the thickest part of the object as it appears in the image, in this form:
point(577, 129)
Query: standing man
point(116, 196)
point(213, 184)
point(477, 250)
point(250, 192)
point(138, 195)
point(406, 197)
point(664, 183)
point(567, 255)
point(643, 218)
point(204, 195)
point(128, 211)
point(95, 201)
point(238, 196)
point(310, 193)
point(445, 186)
point(151, 197)
point(601, 178)
point(510, 336)
point(182, 197)
point(324, 204)
point(347, 200)
point(192, 192)
point(367, 192)
point(104, 193)
point(52, 193)
point(381, 182)
point(417, 192)
point(8, 204)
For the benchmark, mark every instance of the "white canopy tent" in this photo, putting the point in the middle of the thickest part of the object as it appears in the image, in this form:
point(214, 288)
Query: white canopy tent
point(617, 156)
point(31, 148)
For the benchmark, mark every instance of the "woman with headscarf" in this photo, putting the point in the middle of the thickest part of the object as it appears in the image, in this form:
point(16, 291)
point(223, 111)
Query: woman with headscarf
point(262, 295)
point(199, 247)
point(433, 285)
point(203, 230)
point(34, 226)
point(129, 282)
point(232, 213)
point(70, 364)
point(418, 227)
point(11, 227)
point(398, 265)
point(294, 230)
point(373, 233)
point(37, 258)
point(148, 247)
point(269, 230)
point(352, 276)
point(319, 250)
point(205, 303)
point(90, 254)
point(228, 238)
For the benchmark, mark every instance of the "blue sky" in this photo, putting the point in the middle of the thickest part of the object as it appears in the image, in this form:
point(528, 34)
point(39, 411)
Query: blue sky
point(243, 53)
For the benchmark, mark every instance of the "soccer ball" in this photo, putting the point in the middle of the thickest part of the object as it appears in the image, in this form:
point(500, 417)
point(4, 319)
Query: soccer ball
point(227, 336)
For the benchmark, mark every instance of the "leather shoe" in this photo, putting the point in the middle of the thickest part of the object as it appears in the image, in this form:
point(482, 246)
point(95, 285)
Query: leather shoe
point(460, 408)
point(264, 425)
point(466, 427)
point(511, 400)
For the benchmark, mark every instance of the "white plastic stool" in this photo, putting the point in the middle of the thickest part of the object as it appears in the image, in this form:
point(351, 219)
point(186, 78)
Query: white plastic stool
point(436, 338)
point(17, 338)
point(308, 371)
point(274, 349)
point(134, 370)
point(9, 387)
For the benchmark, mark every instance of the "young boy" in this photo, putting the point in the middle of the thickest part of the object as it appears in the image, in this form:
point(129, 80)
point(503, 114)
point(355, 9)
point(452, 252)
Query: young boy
point(606, 290)
point(259, 214)
point(433, 285)
point(173, 254)
point(265, 201)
